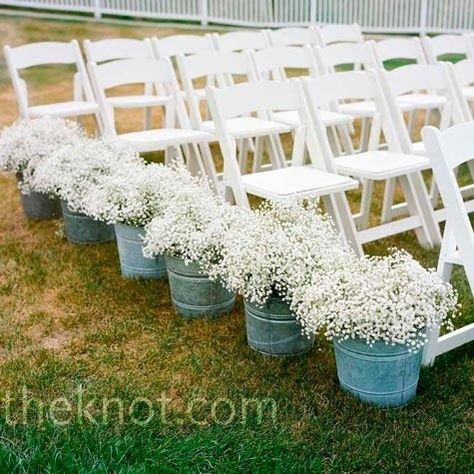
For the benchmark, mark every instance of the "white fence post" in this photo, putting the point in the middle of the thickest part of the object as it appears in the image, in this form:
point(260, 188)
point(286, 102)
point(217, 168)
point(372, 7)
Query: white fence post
point(312, 12)
point(204, 13)
point(97, 10)
point(423, 17)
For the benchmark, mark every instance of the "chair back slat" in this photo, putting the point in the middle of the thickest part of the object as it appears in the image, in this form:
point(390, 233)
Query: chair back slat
point(44, 53)
point(181, 44)
point(399, 48)
point(117, 48)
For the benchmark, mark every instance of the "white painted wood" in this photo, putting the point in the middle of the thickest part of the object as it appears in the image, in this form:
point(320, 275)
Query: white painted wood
point(398, 48)
point(327, 91)
point(176, 132)
point(447, 150)
point(117, 48)
point(438, 46)
point(173, 45)
point(330, 34)
point(241, 40)
point(293, 36)
point(296, 180)
point(374, 16)
point(439, 94)
point(45, 53)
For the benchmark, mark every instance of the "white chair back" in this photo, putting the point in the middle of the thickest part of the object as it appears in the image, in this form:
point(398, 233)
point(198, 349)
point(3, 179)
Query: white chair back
point(222, 66)
point(447, 150)
point(398, 48)
point(46, 53)
point(273, 63)
point(414, 78)
point(447, 44)
point(117, 48)
point(329, 34)
point(171, 46)
point(339, 54)
point(293, 36)
point(326, 91)
point(123, 72)
point(241, 40)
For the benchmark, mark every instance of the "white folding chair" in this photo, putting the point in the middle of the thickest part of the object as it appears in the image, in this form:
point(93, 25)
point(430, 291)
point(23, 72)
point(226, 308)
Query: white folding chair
point(293, 36)
point(408, 49)
point(375, 164)
point(441, 45)
point(176, 132)
point(241, 40)
point(329, 34)
point(296, 180)
point(399, 83)
point(391, 49)
point(354, 55)
point(49, 53)
point(124, 48)
point(225, 67)
point(273, 63)
point(447, 150)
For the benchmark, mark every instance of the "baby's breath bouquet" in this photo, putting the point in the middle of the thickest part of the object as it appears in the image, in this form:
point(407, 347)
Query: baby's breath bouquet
point(392, 299)
point(73, 171)
point(26, 143)
point(277, 249)
point(193, 225)
point(134, 198)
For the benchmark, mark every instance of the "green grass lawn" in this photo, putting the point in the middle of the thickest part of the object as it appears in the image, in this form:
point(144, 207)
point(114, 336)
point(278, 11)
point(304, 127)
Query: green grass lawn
point(97, 373)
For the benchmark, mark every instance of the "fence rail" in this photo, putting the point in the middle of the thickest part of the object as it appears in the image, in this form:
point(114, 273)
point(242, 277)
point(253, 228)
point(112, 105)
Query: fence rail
point(375, 16)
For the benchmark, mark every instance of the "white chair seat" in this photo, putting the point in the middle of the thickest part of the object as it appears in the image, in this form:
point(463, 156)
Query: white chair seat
point(380, 165)
point(468, 93)
point(367, 108)
point(63, 109)
point(160, 139)
point(298, 181)
point(422, 101)
point(245, 127)
point(135, 101)
point(328, 118)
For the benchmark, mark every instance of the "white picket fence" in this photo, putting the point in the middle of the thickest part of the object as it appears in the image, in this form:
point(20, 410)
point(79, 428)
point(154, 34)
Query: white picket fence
point(375, 16)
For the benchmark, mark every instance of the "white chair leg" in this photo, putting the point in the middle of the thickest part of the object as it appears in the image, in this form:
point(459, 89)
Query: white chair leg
point(258, 156)
point(388, 200)
point(337, 206)
point(419, 204)
point(365, 204)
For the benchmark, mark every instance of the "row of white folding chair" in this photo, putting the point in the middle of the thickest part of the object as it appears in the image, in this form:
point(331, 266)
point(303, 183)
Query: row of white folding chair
point(370, 166)
point(448, 150)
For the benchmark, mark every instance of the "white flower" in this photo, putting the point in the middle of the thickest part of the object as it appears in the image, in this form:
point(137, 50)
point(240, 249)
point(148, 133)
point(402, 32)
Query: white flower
point(72, 172)
point(391, 299)
point(192, 225)
point(27, 142)
point(277, 249)
point(135, 197)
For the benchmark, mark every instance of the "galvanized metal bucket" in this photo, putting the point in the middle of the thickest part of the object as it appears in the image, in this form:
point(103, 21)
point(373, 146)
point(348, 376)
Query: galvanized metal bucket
point(38, 206)
point(81, 229)
point(132, 262)
point(194, 295)
point(382, 375)
point(274, 330)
